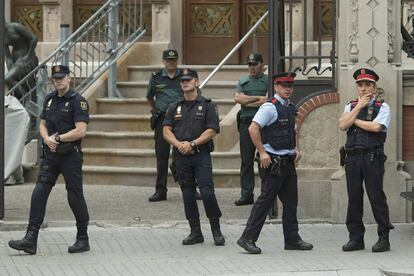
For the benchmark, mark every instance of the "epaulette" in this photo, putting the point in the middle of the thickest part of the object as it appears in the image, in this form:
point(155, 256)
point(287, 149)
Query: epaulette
point(353, 103)
point(243, 80)
point(274, 101)
point(378, 102)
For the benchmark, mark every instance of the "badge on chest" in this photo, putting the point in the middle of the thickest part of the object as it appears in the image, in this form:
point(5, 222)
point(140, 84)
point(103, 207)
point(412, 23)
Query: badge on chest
point(178, 115)
point(200, 111)
point(65, 108)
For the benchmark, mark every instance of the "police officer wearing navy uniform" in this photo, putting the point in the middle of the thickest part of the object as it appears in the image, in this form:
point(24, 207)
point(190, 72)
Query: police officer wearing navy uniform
point(163, 90)
point(251, 94)
point(63, 124)
point(366, 121)
point(273, 133)
point(189, 126)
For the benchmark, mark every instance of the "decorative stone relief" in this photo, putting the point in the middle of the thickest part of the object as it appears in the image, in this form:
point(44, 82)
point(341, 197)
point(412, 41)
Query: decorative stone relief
point(319, 140)
point(372, 33)
point(353, 36)
point(391, 33)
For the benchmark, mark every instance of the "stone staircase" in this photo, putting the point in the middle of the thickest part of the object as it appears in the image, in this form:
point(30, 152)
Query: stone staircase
point(119, 145)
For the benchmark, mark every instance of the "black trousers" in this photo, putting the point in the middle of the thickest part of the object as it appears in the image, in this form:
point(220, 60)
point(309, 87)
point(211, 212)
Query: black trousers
point(247, 151)
point(70, 166)
point(162, 152)
point(195, 170)
point(362, 168)
point(285, 187)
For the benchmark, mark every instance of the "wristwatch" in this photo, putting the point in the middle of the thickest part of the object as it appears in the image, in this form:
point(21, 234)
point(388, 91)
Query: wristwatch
point(193, 144)
point(57, 138)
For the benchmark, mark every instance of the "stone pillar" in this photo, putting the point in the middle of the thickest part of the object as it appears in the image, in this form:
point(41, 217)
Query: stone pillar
point(369, 36)
point(7, 10)
point(161, 29)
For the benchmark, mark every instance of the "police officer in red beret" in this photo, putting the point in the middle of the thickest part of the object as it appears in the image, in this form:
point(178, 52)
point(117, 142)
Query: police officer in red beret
point(273, 133)
point(366, 121)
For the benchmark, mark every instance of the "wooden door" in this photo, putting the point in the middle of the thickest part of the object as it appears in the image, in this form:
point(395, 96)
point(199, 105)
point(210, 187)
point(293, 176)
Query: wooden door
point(211, 30)
point(251, 11)
point(30, 14)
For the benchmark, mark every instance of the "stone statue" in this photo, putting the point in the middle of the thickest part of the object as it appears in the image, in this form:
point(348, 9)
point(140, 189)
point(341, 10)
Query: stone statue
point(20, 56)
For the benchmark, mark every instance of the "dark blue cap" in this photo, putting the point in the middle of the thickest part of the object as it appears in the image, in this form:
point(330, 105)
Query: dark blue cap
point(189, 74)
point(59, 71)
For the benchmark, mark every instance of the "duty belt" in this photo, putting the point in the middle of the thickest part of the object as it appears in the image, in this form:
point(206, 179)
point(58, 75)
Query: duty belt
point(282, 159)
point(363, 151)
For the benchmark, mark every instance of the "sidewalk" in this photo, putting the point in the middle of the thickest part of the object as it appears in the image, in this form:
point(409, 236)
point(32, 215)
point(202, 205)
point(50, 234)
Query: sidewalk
point(130, 236)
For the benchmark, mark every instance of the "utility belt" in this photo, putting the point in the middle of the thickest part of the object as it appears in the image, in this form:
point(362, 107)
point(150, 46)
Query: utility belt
point(374, 151)
point(277, 164)
point(156, 117)
point(62, 149)
point(363, 151)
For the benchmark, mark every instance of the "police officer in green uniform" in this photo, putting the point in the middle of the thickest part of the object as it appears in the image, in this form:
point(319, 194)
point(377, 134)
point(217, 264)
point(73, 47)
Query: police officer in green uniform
point(63, 124)
point(251, 94)
point(190, 126)
point(164, 89)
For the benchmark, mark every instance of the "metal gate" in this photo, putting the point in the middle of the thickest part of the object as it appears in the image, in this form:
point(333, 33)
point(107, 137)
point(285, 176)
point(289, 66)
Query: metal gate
point(297, 47)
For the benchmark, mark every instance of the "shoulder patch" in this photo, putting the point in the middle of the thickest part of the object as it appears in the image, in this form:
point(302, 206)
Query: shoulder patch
point(83, 105)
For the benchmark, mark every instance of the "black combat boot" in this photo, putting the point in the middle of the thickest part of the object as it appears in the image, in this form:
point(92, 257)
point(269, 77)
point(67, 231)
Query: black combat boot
point(249, 246)
point(82, 240)
point(215, 229)
point(29, 243)
point(195, 235)
point(81, 245)
point(383, 243)
point(353, 245)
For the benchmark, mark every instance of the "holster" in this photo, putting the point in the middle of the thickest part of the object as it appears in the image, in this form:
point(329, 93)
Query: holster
point(65, 149)
point(155, 117)
point(342, 154)
point(238, 120)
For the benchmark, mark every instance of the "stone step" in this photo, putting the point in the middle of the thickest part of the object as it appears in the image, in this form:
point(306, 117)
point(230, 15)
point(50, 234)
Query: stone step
point(125, 140)
point(140, 106)
point(213, 90)
point(145, 158)
point(114, 122)
point(145, 177)
point(105, 175)
point(227, 72)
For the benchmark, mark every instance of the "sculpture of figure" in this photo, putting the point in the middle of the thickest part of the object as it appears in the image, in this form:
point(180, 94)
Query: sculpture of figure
point(21, 58)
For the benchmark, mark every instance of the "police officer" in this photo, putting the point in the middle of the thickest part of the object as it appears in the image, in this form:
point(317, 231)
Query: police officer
point(189, 126)
point(273, 133)
point(63, 123)
point(251, 93)
point(163, 90)
point(366, 121)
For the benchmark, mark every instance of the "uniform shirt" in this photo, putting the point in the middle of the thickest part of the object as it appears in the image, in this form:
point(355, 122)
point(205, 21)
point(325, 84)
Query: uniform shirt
point(61, 113)
point(267, 115)
point(251, 86)
point(166, 90)
point(383, 117)
point(190, 119)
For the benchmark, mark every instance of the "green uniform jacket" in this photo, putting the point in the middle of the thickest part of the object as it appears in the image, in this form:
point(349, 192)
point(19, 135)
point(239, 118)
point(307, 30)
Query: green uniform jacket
point(252, 87)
